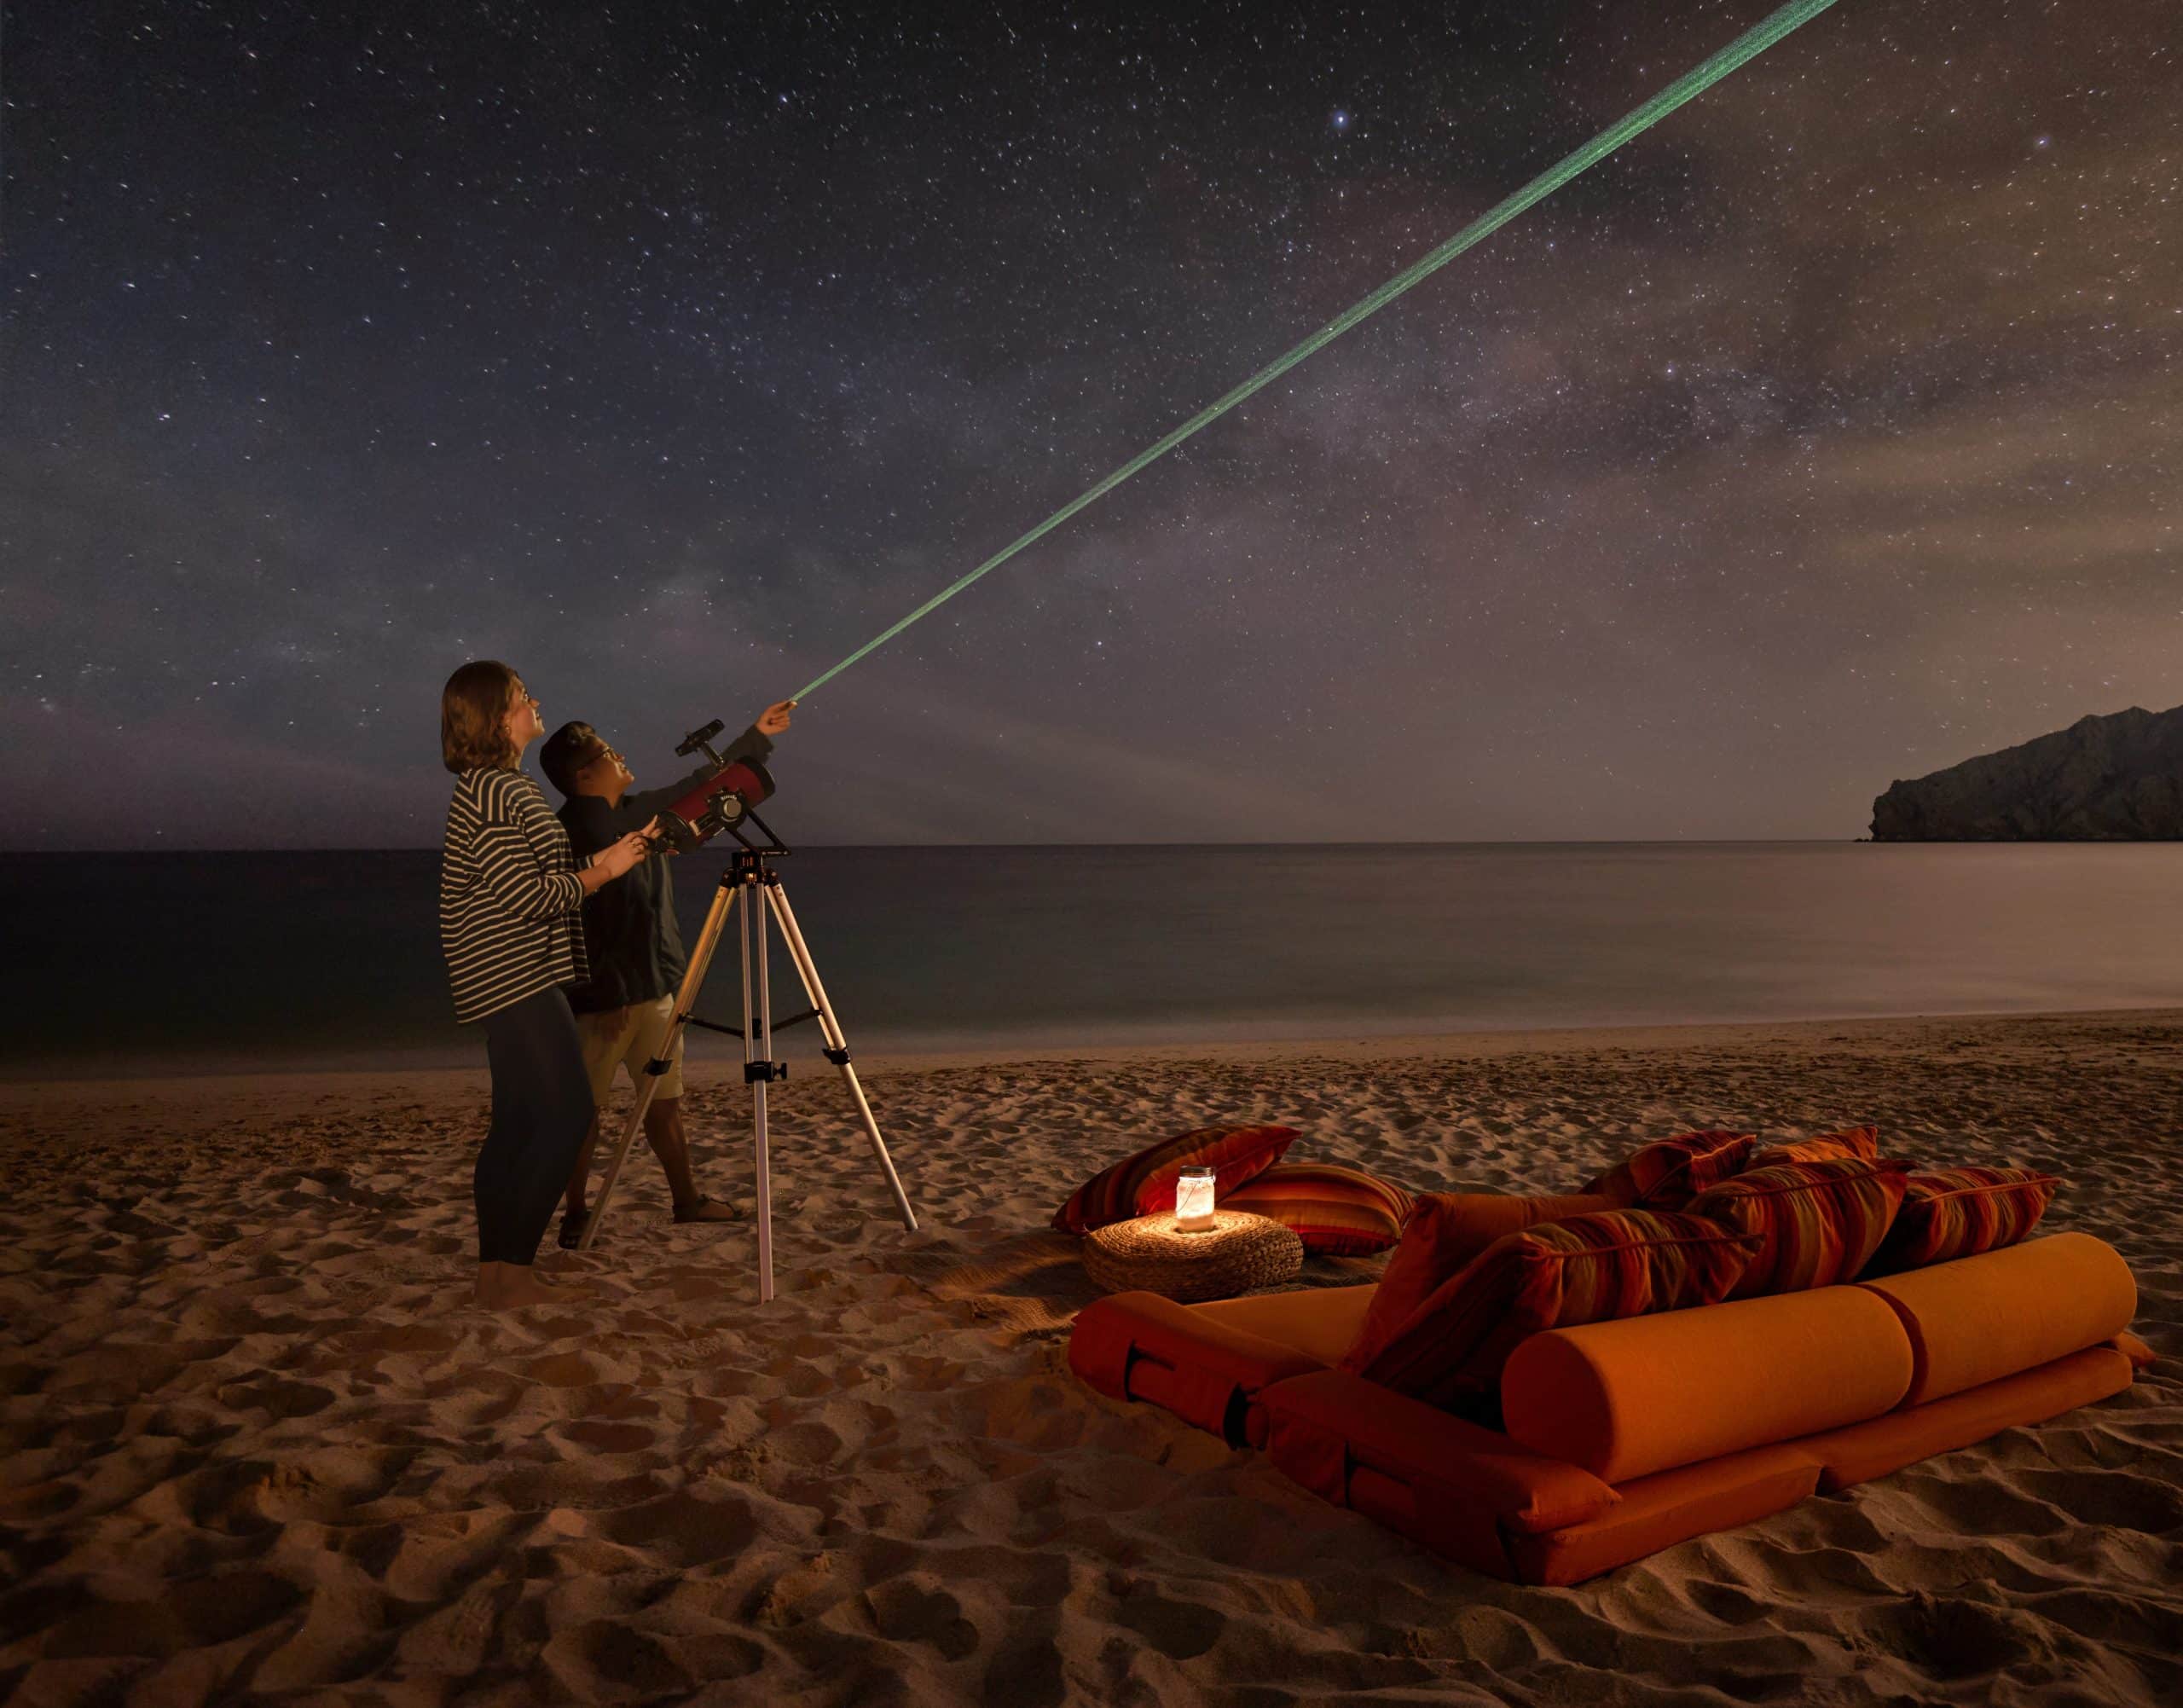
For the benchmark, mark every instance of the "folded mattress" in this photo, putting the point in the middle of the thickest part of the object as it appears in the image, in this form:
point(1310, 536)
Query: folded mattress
point(1209, 1363)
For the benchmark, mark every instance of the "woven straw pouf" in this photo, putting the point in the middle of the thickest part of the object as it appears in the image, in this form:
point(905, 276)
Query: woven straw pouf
point(1238, 1252)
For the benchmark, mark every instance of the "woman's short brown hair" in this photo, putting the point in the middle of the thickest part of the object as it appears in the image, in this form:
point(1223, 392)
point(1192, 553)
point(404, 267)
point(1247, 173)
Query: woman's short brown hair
point(474, 708)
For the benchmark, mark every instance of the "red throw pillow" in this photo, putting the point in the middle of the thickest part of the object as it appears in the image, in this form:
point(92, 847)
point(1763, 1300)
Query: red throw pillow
point(1962, 1211)
point(1670, 1172)
point(1852, 1141)
point(1817, 1223)
point(1336, 1211)
point(1587, 1269)
point(1445, 1232)
point(1145, 1184)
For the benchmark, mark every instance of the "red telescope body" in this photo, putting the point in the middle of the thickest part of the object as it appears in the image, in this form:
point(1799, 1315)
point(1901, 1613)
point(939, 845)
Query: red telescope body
point(715, 804)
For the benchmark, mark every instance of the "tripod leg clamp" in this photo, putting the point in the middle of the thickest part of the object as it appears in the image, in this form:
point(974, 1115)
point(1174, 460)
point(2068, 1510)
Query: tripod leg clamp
point(657, 1066)
point(756, 1072)
point(839, 1058)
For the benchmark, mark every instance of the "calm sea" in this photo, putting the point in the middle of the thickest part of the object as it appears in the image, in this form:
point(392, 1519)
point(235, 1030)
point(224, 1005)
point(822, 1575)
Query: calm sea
point(221, 962)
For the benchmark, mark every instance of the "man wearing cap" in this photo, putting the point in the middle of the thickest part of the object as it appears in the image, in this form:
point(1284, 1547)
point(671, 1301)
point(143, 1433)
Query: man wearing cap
point(634, 944)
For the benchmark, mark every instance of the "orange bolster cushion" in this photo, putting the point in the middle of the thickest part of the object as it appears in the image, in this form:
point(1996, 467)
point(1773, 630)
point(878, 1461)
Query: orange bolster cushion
point(1860, 1142)
point(1668, 1173)
point(1451, 1462)
point(1139, 1346)
point(1444, 1231)
point(1980, 1318)
point(1626, 1399)
point(1817, 1223)
point(1587, 1269)
point(1143, 1184)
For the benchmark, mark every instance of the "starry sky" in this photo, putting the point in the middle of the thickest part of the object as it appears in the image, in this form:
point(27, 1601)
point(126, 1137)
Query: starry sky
point(1825, 435)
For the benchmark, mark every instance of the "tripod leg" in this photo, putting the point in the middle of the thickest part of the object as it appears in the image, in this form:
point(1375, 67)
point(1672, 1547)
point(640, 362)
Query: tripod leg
point(686, 1000)
point(757, 1048)
point(837, 1047)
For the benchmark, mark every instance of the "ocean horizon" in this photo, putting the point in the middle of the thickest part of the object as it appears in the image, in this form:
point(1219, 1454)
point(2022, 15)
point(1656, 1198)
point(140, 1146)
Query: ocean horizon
point(141, 963)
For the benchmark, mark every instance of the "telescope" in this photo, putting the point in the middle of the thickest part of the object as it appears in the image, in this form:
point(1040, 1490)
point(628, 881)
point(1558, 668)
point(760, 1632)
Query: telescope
point(728, 801)
point(721, 803)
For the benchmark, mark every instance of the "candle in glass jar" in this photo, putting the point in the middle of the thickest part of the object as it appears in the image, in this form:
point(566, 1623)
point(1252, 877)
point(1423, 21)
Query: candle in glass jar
point(1194, 1201)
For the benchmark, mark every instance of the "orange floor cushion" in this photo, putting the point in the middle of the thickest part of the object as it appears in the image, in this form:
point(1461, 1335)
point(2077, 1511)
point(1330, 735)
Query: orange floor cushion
point(1457, 1488)
point(1873, 1449)
point(1318, 1322)
point(1626, 1399)
point(1661, 1511)
point(1979, 1318)
point(1139, 1346)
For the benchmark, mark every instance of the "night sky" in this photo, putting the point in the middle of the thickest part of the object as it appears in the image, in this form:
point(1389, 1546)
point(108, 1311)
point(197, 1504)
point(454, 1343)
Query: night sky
point(1825, 435)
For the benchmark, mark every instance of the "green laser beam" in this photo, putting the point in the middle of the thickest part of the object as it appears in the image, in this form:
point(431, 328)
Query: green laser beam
point(1691, 84)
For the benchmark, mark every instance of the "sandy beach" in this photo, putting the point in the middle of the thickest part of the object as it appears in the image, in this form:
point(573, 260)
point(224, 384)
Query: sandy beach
point(257, 1446)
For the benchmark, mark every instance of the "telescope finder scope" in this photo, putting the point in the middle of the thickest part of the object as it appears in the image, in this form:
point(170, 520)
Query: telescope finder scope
point(699, 738)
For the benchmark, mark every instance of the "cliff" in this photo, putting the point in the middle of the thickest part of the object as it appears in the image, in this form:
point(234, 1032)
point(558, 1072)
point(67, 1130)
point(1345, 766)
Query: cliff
point(2117, 779)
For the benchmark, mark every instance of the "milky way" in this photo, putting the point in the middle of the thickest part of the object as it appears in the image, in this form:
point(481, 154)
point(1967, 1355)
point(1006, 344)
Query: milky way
point(1824, 436)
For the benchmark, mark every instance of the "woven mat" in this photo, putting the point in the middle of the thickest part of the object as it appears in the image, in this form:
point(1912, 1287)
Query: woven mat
point(1238, 1252)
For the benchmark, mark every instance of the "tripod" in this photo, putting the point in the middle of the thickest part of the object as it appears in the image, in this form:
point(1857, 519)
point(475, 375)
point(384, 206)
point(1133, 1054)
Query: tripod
point(750, 880)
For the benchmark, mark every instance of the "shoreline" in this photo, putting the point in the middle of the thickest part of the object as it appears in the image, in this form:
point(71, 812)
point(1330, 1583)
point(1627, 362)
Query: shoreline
point(1340, 1044)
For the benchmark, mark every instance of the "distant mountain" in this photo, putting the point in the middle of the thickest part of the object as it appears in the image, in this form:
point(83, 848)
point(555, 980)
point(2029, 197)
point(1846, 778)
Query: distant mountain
point(2111, 780)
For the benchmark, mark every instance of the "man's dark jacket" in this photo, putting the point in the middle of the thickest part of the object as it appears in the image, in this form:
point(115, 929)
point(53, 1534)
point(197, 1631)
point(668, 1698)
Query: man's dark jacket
point(630, 934)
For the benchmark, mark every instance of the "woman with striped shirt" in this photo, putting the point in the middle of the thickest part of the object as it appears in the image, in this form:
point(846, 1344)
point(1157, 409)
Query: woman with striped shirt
point(510, 892)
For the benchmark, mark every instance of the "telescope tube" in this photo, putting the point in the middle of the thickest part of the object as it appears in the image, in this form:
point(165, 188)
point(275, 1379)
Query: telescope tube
point(719, 802)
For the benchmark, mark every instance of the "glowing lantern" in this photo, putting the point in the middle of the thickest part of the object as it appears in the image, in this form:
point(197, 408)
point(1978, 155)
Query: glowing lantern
point(1194, 1201)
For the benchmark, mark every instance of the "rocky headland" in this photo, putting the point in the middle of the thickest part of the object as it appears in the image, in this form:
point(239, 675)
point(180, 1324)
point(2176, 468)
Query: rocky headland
point(2115, 778)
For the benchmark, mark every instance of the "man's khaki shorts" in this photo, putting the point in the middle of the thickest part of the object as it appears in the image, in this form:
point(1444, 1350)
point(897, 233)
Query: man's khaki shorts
point(630, 1036)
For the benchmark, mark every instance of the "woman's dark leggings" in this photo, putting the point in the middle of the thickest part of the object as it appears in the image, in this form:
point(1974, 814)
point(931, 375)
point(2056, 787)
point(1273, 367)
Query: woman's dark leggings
point(542, 1109)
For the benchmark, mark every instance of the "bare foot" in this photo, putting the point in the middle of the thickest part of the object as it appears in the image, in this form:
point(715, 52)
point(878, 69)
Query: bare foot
point(706, 1210)
point(512, 1285)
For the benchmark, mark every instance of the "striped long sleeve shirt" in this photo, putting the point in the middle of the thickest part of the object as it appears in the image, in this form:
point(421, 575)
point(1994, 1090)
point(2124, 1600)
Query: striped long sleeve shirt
point(511, 922)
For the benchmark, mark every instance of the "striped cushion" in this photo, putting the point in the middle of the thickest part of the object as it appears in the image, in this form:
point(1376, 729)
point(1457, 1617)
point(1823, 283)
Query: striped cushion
point(1817, 1223)
point(1665, 1175)
point(1962, 1211)
point(1826, 1147)
point(1587, 1269)
point(1444, 1232)
point(1335, 1211)
point(1145, 1184)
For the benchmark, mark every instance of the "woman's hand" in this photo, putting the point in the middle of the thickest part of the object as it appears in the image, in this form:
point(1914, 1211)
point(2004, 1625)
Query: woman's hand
point(774, 719)
point(631, 851)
